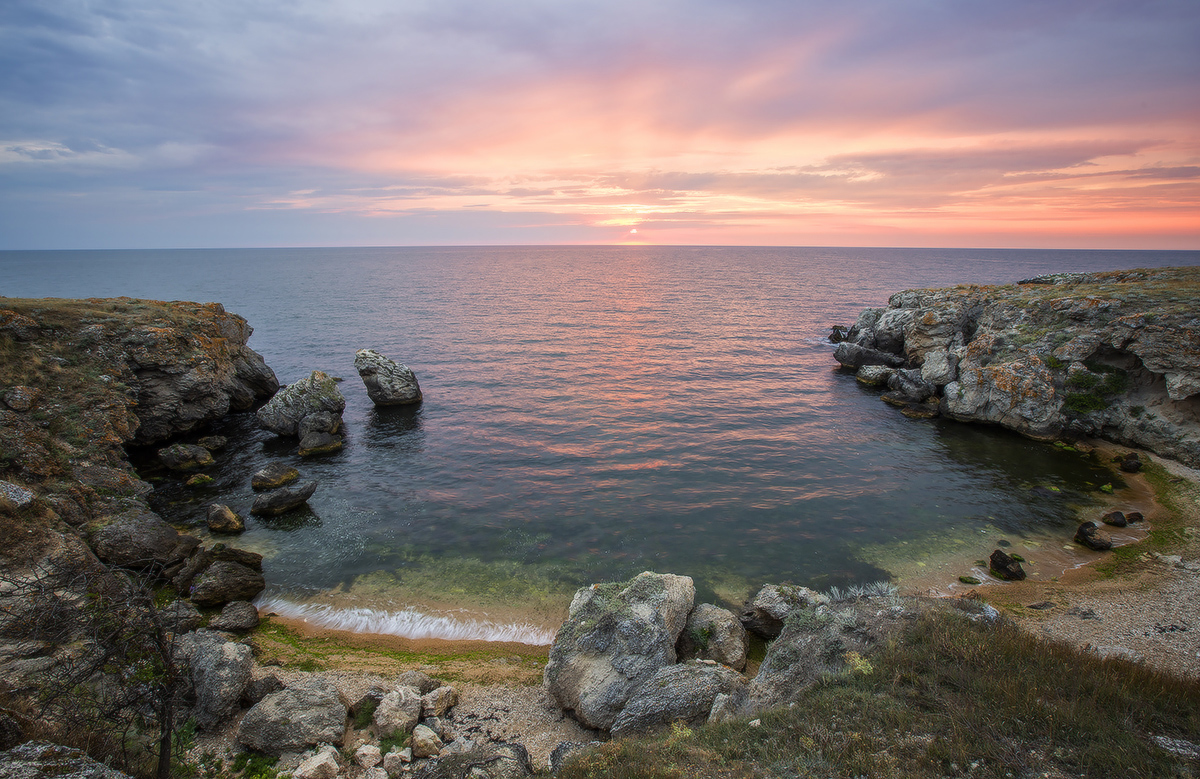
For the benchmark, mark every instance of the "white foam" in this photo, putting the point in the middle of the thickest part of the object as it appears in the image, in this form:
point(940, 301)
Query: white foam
point(408, 623)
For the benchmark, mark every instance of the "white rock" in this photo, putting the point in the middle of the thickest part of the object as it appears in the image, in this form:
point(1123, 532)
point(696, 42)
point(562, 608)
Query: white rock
point(322, 765)
point(368, 755)
point(425, 743)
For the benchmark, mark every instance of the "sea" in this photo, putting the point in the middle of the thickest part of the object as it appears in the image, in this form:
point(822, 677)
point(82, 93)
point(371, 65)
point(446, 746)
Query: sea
point(592, 412)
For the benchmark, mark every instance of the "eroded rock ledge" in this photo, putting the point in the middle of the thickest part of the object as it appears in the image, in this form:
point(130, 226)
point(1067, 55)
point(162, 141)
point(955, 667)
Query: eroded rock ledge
point(1114, 355)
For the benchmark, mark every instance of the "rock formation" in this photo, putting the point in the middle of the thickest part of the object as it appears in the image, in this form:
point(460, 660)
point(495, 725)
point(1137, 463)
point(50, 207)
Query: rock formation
point(1114, 355)
point(310, 409)
point(388, 382)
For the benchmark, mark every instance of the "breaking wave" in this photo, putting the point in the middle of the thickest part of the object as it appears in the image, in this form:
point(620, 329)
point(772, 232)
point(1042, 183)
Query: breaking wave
point(408, 623)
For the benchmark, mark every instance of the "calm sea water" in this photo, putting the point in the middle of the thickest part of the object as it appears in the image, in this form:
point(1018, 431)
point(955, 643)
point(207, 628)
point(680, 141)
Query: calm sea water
point(590, 413)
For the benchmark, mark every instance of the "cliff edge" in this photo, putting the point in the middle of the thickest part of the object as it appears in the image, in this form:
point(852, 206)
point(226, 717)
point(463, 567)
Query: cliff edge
point(1114, 355)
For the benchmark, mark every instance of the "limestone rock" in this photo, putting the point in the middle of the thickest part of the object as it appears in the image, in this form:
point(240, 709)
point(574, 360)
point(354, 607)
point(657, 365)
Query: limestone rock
point(317, 394)
point(273, 477)
point(874, 375)
point(262, 683)
point(765, 613)
point(306, 713)
point(368, 756)
point(852, 355)
point(438, 702)
point(140, 539)
point(713, 633)
point(322, 765)
point(388, 383)
point(43, 760)
point(226, 581)
point(425, 743)
point(220, 671)
point(184, 457)
point(236, 616)
point(283, 500)
point(677, 693)
point(939, 368)
point(422, 682)
point(397, 713)
point(180, 617)
point(222, 519)
point(616, 638)
point(486, 761)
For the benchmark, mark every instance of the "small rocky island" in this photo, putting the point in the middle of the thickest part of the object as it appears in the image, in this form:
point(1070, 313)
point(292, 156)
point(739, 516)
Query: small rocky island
point(1112, 355)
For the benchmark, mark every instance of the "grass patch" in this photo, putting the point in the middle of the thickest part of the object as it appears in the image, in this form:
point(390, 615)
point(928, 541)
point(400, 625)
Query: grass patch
point(951, 697)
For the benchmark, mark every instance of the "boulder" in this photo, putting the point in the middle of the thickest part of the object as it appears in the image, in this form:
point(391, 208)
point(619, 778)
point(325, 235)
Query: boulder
point(616, 637)
point(1006, 568)
point(874, 375)
point(765, 613)
point(818, 641)
point(283, 500)
point(318, 433)
point(226, 581)
point(273, 477)
point(1133, 516)
point(140, 539)
point(312, 444)
point(317, 394)
point(397, 713)
point(368, 756)
point(939, 368)
point(236, 616)
point(261, 685)
point(20, 496)
point(184, 457)
point(852, 355)
point(1115, 518)
point(213, 443)
point(438, 702)
point(222, 519)
point(21, 398)
point(220, 672)
point(713, 633)
point(421, 681)
point(425, 743)
point(41, 759)
point(677, 693)
point(388, 383)
point(396, 761)
point(322, 765)
point(487, 761)
point(1090, 535)
point(910, 385)
point(180, 617)
point(308, 712)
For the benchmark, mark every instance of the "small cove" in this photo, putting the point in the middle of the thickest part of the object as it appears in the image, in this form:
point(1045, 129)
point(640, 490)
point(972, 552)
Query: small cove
point(591, 413)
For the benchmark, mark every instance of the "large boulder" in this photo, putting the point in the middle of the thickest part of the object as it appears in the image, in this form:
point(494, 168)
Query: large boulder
point(283, 500)
point(185, 457)
point(273, 477)
point(317, 394)
point(222, 519)
point(713, 633)
point(308, 712)
point(220, 672)
point(397, 713)
point(818, 641)
point(226, 581)
point(678, 693)
point(388, 383)
point(140, 539)
point(616, 637)
point(41, 759)
point(236, 616)
point(765, 613)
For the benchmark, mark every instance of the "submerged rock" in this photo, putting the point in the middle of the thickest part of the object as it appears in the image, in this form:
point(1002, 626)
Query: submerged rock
point(183, 457)
point(283, 500)
point(388, 383)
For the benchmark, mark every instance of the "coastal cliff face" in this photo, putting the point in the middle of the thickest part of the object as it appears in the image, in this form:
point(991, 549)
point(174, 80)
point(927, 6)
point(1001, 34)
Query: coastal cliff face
point(1114, 355)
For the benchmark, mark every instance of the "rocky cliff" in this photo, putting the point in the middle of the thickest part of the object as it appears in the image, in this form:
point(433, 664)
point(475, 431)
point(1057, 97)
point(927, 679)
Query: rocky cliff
point(1114, 355)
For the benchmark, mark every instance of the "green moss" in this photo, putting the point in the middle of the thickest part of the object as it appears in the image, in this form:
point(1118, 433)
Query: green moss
point(968, 580)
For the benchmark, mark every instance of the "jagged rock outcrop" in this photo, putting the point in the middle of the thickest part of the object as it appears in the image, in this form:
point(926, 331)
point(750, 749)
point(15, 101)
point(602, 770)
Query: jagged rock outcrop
point(1114, 355)
point(310, 409)
point(617, 636)
point(388, 382)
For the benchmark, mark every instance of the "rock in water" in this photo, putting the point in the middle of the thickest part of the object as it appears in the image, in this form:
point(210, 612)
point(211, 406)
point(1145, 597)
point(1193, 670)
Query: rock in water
point(1090, 535)
point(283, 500)
point(1006, 568)
point(616, 637)
point(222, 519)
point(273, 476)
point(183, 457)
point(1115, 518)
point(318, 394)
point(388, 382)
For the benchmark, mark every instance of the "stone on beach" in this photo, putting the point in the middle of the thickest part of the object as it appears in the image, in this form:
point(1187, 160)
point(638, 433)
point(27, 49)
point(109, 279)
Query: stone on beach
point(388, 382)
point(1090, 535)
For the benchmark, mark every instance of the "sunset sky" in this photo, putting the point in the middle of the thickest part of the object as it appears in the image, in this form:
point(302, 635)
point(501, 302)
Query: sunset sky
point(191, 123)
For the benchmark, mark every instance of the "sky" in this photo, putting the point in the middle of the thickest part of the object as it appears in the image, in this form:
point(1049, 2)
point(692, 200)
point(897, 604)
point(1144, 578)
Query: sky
point(954, 123)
